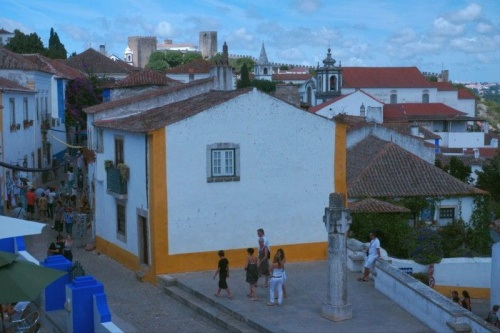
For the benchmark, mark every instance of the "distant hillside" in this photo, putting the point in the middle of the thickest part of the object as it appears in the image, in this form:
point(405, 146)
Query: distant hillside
point(491, 111)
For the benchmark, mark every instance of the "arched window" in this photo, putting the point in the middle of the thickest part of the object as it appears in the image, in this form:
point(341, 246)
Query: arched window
point(309, 95)
point(333, 82)
point(265, 71)
point(394, 96)
point(425, 96)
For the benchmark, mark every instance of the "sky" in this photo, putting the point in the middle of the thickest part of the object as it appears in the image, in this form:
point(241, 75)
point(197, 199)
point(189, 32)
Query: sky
point(461, 36)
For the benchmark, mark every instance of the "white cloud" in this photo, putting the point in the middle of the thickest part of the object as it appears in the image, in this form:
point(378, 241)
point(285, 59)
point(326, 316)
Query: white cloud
point(413, 49)
point(11, 25)
point(164, 29)
point(76, 33)
point(476, 44)
point(484, 28)
point(404, 36)
point(487, 58)
point(469, 14)
point(443, 27)
point(359, 49)
point(291, 54)
point(306, 6)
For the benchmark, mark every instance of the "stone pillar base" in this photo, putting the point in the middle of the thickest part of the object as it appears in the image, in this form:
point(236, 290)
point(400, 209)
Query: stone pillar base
point(336, 313)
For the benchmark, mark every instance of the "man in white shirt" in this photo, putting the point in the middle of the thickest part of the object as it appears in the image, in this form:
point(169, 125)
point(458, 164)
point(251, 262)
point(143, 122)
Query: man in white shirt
point(373, 253)
point(260, 233)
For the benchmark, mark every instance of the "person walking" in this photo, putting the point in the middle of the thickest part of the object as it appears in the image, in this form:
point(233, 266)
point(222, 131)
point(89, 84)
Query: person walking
point(252, 273)
point(69, 217)
point(372, 254)
point(281, 255)
point(51, 197)
point(276, 281)
point(466, 300)
point(223, 272)
point(493, 316)
point(30, 201)
point(58, 216)
point(263, 261)
point(42, 207)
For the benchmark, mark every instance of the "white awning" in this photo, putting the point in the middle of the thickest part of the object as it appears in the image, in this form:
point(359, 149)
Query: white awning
point(11, 227)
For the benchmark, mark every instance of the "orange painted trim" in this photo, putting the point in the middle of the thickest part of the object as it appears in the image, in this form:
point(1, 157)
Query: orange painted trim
point(340, 160)
point(158, 204)
point(202, 261)
point(124, 257)
point(474, 292)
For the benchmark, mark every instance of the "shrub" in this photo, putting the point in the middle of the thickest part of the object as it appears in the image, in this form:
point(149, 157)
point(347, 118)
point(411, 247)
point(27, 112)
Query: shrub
point(422, 277)
point(453, 237)
point(427, 248)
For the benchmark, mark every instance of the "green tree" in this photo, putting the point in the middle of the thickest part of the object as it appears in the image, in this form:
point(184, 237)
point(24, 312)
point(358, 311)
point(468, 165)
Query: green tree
point(173, 58)
point(157, 61)
point(284, 67)
point(264, 85)
point(56, 48)
point(22, 43)
point(244, 78)
point(459, 170)
point(238, 64)
point(489, 180)
point(191, 56)
point(416, 205)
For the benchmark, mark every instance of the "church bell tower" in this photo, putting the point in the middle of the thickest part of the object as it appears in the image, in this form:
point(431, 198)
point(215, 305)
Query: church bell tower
point(329, 80)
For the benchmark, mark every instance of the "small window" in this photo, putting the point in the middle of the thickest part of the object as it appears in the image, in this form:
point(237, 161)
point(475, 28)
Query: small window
point(121, 225)
point(12, 109)
point(119, 151)
point(447, 213)
point(99, 141)
point(333, 82)
point(265, 71)
point(394, 97)
point(425, 96)
point(25, 109)
point(223, 162)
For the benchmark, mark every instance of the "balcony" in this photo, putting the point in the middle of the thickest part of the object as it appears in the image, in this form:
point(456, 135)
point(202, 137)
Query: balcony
point(116, 183)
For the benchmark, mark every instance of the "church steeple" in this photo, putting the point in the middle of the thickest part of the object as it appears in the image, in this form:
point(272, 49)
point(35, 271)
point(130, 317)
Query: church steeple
point(263, 56)
point(263, 70)
point(329, 79)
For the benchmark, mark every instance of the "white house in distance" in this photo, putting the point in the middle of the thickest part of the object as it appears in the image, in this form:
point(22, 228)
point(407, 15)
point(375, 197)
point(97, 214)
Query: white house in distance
point(207, 172)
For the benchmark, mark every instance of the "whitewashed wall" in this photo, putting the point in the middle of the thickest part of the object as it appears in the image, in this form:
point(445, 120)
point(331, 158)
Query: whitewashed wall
point(351, 104)
point(464, 206)
point(463, 272)
point(135, 157)
point(405, 95)
point(286, 176)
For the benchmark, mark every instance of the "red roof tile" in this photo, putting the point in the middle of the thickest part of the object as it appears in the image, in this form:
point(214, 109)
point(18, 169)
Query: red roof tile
point(53, 66)
point(3, 31)
point(91, 61)
point(376, 168)
point(376, 206)
point(144, 96)
point(465, 93)
point(383, 77)
point(11, 60)
point(145, 78)
point(197, 66)
point(291, 77)
point(162, 116)
point(443, 86)
point(11, 85)
point(405, 128)
point(413, 111)
point(485, 152)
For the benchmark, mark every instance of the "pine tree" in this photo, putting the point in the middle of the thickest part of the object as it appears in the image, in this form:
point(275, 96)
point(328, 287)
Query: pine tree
point(56, 48)
point(245, 77)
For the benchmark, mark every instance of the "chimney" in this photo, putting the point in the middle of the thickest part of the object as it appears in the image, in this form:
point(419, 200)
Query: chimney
point(102, 49)
point(414, 129)
point(476, 153)
point(362, 112)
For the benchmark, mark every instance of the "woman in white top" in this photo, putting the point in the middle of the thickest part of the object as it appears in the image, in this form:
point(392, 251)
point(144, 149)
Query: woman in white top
point(276, 281)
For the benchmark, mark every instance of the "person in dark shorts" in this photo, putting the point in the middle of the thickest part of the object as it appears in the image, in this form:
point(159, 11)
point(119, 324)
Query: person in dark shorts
point(223, 272)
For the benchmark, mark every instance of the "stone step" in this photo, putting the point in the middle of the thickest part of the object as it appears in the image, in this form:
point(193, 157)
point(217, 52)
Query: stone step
point(459, 327)
point(209, 311)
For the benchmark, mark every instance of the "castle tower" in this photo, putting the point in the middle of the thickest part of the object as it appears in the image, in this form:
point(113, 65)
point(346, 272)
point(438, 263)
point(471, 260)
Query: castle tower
point(141, 47)
point(263, 69)
point(208, 44)
point(329, 78)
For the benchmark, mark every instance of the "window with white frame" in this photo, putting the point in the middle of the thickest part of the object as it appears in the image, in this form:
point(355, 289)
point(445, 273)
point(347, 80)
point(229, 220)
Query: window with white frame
point(447, 213)
point(425, 96)
point(25, 108)
point(223, 162)
point(12, 109)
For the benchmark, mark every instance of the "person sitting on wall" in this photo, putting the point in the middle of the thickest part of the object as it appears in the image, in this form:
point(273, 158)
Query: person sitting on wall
point(372, 254)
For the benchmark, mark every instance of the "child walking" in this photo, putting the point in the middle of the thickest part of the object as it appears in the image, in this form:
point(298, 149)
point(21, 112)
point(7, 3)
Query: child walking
point(223, 271)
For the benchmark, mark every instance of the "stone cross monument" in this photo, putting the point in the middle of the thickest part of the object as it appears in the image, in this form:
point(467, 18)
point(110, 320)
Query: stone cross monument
point(337, 219)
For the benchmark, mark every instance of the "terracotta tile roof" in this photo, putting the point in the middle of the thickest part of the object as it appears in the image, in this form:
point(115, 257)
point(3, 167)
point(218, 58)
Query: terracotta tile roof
point(405, 128)
point(145, 78)
point(3, 31)
point(468, 160)
point(11, 60)
point(443, 86)
point(290, 77)
point(91, 61)
point(423, 111)
point(160, 117)
point(11, 85)
point(383, 77)
point(371, 205)
point(55, 67)
point(197, 66)
point(485, 152)
point(377, 168)
point(488, 136)
point(465, 93)
point(144, 96)
point(449, 150)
